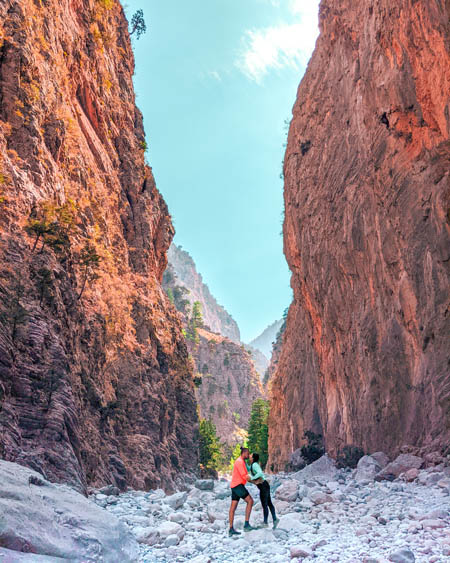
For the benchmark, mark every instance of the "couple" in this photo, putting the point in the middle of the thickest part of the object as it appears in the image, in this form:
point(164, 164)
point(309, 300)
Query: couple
point(239, 479)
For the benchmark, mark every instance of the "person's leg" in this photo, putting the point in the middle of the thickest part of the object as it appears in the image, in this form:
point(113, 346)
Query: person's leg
point(248, 509)
point(263, 498)
point(271, 508)
point(233, 507)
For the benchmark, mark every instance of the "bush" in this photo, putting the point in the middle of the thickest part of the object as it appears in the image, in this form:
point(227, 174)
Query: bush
point(313, 449)
point(349, 456)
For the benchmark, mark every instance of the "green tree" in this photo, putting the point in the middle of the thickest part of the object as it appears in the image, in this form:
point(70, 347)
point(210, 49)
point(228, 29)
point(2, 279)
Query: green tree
point(89, 261)
point(195, 322)
point(210, 451)
point(138, 24)
point(258, 430)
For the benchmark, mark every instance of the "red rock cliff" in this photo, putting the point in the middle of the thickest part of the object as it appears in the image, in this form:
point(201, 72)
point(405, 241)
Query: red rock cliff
point(95, 382)
point(366, 358)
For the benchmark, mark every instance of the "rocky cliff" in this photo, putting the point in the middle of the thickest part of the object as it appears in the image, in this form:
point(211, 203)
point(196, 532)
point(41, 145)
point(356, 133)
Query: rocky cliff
point(227, 384)
point(215, 317)
point(95, 381)
point(366, 359)
point(264, 341)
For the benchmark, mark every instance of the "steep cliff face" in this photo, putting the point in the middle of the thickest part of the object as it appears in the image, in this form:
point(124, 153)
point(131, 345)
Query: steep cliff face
point(215, 317)
point(95, 381)
point(365, 359)
point(227, 384)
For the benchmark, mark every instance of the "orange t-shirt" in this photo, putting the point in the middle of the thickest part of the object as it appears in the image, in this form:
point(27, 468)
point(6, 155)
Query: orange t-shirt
point(239, 476)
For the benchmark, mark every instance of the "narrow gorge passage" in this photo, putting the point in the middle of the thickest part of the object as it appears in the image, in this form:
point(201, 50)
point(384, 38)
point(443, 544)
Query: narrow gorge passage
point(139, 364)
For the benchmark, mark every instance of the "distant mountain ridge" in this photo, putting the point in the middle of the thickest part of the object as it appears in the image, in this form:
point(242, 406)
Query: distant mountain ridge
point(264, 341)
point(215, 317)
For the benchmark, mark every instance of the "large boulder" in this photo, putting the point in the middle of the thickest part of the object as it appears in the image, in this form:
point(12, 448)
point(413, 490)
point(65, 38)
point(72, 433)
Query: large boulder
point(204, 484)
point(322, 470)
point(297, 461)
point(366, 469)
point(54, 520)
point(288, 491)
point(381, 458)
point(176, 501)
point(401, 464)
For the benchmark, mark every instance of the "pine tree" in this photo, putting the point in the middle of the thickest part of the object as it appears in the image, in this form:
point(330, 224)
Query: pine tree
point(195, 322)
point(210, 451)
point(258, 430)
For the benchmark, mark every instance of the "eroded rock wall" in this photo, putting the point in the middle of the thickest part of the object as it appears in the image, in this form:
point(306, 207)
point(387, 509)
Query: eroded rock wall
point(366, 358)
point(95, 382)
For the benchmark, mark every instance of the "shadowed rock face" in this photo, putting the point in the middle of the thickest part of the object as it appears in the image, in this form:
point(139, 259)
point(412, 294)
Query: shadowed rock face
point(365, 358)
point(94, 388)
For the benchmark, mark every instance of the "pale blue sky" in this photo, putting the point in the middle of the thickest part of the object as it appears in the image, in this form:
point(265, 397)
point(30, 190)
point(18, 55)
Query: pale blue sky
point(215, 81)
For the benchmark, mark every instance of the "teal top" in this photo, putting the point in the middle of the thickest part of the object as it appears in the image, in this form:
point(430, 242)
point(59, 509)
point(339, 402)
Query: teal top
point(257, 471)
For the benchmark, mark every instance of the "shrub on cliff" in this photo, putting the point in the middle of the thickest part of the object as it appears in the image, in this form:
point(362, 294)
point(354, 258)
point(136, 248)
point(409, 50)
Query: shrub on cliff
point(258, 430)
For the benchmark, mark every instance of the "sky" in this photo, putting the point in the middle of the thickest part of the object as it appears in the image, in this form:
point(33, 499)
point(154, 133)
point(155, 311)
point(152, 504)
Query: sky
point(215, 81)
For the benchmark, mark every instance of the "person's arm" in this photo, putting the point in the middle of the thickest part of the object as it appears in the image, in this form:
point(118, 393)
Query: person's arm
point(242, 469)
point(258, 472)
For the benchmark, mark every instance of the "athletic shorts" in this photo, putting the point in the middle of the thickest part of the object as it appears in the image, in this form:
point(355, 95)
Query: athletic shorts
point(239, 492)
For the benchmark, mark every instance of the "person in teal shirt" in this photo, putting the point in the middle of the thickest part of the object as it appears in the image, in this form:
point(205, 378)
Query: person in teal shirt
point(258, 478)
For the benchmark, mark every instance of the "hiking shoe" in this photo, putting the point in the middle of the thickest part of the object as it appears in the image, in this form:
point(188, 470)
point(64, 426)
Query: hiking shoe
point(276, 522)
point(249, 528)
point(232, 532)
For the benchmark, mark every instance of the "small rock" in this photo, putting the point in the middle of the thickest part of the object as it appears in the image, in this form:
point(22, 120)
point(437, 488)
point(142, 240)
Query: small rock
point(381, 458)
point(300, 551)
point(318, 497)
point(171, 540)
point(402, 556)
point(411, 475)
point(170, 528)
point(433, 524)
point(110, 490)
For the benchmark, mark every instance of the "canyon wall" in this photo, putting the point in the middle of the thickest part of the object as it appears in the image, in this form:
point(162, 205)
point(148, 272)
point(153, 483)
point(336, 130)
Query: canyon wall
point(215, 317)
point(365, 358)
point(95, 381)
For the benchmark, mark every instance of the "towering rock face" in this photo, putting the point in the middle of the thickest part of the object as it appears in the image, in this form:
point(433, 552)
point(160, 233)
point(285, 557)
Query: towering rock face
point(95, 381)
point(365, 359)
point(215, 317)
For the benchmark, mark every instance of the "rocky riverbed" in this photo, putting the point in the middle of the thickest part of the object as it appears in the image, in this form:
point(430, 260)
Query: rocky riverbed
point(381, 512)
point(325, 514)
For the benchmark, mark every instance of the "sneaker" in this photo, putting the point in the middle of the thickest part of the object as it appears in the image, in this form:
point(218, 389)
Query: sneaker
point(232, 532)
point(276, 522)
point(249, 528)
point(264, 525)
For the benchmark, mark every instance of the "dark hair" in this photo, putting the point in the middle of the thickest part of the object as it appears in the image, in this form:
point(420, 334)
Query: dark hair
point(243, 450)
point(255, 457)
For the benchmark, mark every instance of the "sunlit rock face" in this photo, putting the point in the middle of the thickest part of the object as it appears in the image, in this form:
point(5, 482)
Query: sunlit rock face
point(95, 382)
point(366, 359)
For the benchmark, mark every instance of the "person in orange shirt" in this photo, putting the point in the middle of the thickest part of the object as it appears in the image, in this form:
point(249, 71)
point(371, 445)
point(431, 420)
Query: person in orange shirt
point(239, 479)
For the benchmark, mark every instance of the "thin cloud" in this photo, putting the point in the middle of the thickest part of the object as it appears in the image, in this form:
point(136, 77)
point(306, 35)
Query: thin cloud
point(287, 45)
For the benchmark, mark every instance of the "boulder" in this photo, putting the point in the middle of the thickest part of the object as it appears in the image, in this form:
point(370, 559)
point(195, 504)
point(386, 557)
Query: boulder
point(176, 501)
point(110, 490)
point(147, 536)
point(366, 469)
point(171, 540)
point(411, 475)
point(288, 491)
point(381, 458)
point(291, 522)
point(317, 497)
point(322, 470)
point(401, 464)
point(204, 484)
point(297, 461)
point(300, 551)
point(402, 556)
point(167, 529)
point(56, 521)
point(9, 556)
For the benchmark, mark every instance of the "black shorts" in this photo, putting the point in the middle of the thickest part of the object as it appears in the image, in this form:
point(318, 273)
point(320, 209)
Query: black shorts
point(239, 492)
